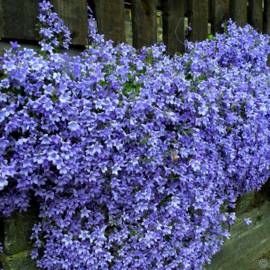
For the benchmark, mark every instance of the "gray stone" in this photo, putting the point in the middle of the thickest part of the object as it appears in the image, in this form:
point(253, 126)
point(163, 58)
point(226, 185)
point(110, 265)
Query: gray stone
point(246, 203)
point(19, 261)
point(15, 233)
point(249, 246)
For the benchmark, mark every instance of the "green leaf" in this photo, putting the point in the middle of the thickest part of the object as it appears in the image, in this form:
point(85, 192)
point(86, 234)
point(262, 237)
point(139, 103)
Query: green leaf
point(54, 97)
point(210, 37)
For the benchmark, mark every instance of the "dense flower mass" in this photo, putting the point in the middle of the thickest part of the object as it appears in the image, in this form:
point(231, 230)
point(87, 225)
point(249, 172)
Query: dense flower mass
point(132, 155)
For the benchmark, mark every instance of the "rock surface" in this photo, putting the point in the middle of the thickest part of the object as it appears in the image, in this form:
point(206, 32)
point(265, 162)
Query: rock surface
point(15, 232)
point(249, 246)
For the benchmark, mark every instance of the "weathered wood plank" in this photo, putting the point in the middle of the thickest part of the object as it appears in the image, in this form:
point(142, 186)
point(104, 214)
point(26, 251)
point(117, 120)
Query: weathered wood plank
point(220, 12)
point(198, 18)
point(18, 19)
point(239, 12)
point(255, 14)
point(173, 14)
point(111, 19)
point(144, 22)
point(74, 15)
point(266, 17)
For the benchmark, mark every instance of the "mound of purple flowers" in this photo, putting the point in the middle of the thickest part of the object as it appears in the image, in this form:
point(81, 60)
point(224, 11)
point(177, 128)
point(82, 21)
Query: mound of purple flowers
point(133, 156)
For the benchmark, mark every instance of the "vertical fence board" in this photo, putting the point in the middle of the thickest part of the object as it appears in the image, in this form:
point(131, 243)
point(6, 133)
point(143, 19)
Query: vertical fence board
point(1, 19)
point(220, 12)
point(18, 19)
point(173, 25)
point(111, 19)
point(144, 22)
point(266, 17)
point(266, 22)
point(255, 14)
point(198, 18)
point(74, 15)
point(239, 12)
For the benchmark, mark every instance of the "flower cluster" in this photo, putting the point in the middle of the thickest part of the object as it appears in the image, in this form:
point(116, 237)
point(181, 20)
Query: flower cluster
point(93, 36)
point(53, 33)
point(133, 156)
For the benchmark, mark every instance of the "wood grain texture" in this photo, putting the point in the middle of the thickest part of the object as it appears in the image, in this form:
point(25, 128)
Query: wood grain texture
point(255, 14)
point(239, 12)
point(220, 12)
point(173, 14)
point(18, 19)
point(144, 22)
point(198, 18)
point(111, 19)
point(74, 15)
point(266, 17)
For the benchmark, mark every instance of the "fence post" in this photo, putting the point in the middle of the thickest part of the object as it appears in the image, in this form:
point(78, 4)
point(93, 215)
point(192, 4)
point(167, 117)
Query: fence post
point(220, 13)
point(239, 12)
point(74, 15)
point(173, 14)
point(18, 19)
point(255, 14)
point(111, 19)
point(144, 22)
point(198, 18)
point(266, 17)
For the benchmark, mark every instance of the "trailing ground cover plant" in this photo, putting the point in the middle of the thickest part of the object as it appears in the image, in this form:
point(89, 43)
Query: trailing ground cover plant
point(133, 156)
point(53, 33)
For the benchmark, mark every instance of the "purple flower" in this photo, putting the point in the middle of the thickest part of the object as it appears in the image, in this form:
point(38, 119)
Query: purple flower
point(247, 221)
point(93, 137)
point(52, 29)
point(5, 83)
point(73, 126)
point(15, 45)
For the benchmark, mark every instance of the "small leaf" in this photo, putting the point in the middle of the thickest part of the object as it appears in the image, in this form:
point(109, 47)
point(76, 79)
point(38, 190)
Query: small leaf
point(54, 97)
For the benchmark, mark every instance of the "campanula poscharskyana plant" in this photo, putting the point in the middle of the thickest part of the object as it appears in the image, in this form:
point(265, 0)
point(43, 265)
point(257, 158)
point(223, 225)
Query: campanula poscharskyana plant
point(132, 155)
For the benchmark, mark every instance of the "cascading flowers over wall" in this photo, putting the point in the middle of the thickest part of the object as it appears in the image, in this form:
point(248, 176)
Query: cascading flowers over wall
point(132, 154)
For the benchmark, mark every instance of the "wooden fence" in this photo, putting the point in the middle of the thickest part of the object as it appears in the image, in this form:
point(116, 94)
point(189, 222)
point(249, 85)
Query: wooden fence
point(200, 14)
point(18, 19)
